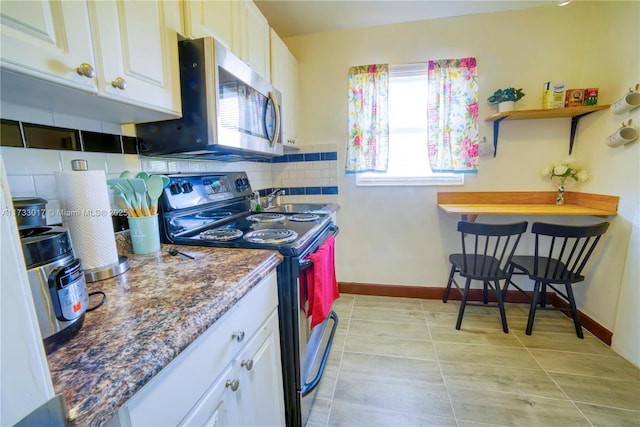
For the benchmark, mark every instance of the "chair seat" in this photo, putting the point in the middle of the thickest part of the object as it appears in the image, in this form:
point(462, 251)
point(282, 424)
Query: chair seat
point(548, 270)
point(478, 266)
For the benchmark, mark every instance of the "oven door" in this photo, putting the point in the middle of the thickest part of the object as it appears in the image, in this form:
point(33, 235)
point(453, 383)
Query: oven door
point(314, 344)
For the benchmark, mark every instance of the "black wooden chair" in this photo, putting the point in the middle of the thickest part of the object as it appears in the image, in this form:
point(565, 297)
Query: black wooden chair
point(561, 253)
point(485, 260)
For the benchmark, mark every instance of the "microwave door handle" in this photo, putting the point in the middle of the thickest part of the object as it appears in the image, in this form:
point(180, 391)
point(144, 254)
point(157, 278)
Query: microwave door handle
point(276, 110)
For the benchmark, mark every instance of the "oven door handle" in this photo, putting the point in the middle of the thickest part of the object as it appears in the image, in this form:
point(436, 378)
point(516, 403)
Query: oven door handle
point(308, 387)
point(306, 262)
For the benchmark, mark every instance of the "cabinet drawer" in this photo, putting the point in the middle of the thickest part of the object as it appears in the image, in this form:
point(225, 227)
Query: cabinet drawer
point(169, 396)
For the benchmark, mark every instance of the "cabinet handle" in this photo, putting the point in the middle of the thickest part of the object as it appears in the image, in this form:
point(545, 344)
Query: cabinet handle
point(247, 364)
point(119, 83)
point(86, 70)
point(233, 384)
point(238, 336)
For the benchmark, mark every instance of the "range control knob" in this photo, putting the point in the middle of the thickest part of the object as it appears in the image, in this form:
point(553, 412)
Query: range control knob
point(239, 184)
point(187, 187)
point(175, 188)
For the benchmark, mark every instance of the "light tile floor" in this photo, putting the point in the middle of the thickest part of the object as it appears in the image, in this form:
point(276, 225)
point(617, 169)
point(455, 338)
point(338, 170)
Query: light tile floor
point(400, 362)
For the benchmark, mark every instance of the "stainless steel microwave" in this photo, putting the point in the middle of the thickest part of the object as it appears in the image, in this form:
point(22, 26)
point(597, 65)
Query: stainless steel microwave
point(229, 112)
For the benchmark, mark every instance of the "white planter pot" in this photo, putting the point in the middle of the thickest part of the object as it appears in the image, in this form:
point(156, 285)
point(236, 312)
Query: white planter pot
point(506, 106)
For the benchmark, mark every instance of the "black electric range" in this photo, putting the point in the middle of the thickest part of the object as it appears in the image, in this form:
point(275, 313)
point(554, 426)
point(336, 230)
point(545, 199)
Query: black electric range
point(214, 210)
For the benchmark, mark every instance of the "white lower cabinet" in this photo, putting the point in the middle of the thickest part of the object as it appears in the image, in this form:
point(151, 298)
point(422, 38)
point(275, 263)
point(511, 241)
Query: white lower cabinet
point(230, 376)
point(243, 393)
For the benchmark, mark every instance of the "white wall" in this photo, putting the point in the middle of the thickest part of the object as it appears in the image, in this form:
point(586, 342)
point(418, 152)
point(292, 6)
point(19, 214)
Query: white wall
point(396, 235)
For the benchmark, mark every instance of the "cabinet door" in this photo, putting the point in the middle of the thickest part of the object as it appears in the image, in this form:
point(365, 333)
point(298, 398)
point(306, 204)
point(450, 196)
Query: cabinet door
point(284, 77)
point(48, 40)
point(260, 395)
point(253, 38)
point(218, 406)
point(206, 18)
point(137, 53)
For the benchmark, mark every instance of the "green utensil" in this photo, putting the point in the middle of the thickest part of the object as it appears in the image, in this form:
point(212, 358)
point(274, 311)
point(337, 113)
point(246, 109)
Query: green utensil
point(124, 190)
point(140, 193)
point(154, 189)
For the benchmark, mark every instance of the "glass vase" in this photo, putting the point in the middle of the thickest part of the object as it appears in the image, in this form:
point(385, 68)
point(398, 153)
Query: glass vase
point(560, 196)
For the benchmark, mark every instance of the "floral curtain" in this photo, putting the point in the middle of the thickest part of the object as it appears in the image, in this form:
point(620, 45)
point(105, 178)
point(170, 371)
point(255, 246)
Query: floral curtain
point(453, 115)
point(368, 143)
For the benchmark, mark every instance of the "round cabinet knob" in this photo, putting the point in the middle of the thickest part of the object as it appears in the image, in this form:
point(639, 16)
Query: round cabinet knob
point(86, 70)
point(119, 83)
point(247, 364)
point(233, 385)
point(238, 336)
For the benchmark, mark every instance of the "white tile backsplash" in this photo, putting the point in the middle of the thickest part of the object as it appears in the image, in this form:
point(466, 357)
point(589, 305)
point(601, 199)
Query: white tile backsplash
point(95, 161)
point(46, 186)
point(118, 163)
point(21, 185)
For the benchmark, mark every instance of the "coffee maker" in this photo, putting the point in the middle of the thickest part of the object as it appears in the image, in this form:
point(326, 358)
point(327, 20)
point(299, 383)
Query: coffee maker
point(56, 277)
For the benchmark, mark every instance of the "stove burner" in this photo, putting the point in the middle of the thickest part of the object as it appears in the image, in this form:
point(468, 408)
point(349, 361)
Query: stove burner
point(221, 234)
point(272, 235)
point(304, 217)
point(213, 214)
point(266, 217)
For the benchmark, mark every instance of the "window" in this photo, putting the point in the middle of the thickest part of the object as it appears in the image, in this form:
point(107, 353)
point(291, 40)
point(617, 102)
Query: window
point(408, 155)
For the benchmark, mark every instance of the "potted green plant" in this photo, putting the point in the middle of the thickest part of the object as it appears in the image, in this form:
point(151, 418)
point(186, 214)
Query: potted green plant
point(506, 98)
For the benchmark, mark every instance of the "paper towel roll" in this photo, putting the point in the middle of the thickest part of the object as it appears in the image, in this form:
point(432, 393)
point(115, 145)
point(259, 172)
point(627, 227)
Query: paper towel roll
point(86, 213)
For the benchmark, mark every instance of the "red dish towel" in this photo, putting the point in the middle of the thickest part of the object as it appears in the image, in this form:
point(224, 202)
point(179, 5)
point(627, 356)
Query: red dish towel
point(322, 286)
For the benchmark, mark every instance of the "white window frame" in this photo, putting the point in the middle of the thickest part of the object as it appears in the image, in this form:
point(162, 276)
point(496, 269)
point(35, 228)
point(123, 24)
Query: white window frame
point(383, 179)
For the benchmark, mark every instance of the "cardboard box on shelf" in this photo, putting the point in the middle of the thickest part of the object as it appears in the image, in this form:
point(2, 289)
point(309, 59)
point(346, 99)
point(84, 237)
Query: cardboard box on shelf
point(553, 94)
point(574, 98)
point(590, 96)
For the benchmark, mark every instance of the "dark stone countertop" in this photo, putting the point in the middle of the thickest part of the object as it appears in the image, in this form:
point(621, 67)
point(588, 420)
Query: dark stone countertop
point(152, 312)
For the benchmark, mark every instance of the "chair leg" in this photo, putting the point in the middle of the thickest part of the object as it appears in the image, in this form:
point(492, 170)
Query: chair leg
point(503, 315)
point(485, 292)
point(532, 309)
point(446, 291)
point(507, 282)
point(463, 303)
point(574, 312)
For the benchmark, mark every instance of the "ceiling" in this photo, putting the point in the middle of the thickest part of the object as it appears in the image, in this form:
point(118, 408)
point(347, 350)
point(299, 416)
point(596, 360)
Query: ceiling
point(298, 17)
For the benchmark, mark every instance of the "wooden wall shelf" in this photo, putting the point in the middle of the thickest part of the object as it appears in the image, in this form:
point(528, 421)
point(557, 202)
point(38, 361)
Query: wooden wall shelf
point(471, 204)
point(548, 113)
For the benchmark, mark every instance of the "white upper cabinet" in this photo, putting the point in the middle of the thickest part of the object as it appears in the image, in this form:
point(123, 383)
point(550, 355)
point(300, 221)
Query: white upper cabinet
point(284, 77)
point(125, 52)
point(239, 25)
point(49, 40)
point(253, 38)
point(137, 56)
point(206, 18)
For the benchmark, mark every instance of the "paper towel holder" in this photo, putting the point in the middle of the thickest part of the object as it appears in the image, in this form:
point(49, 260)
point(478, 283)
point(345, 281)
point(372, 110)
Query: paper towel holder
point(107, 271)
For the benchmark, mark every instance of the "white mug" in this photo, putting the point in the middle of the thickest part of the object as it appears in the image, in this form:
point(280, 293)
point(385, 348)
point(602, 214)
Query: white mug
point(622, 136)
point(627, 103)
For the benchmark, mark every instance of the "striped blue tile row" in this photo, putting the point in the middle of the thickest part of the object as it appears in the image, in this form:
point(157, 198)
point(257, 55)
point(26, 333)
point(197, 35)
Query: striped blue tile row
point(302, 191)
point(306, 157)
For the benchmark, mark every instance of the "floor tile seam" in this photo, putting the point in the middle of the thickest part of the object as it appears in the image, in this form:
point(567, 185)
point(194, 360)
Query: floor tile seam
point(388, 355)
point(391, 410)
point(379, 336)
point(613, 356)
point(442, 341)
point(446, 387)
point(391, 321)
point(617, 408)
point(502, 366)
point(387, 321)
point(566, 399)
point(595, 377)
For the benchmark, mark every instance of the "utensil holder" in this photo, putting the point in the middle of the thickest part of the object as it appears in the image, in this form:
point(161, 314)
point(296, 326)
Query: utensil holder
point(145, 234)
